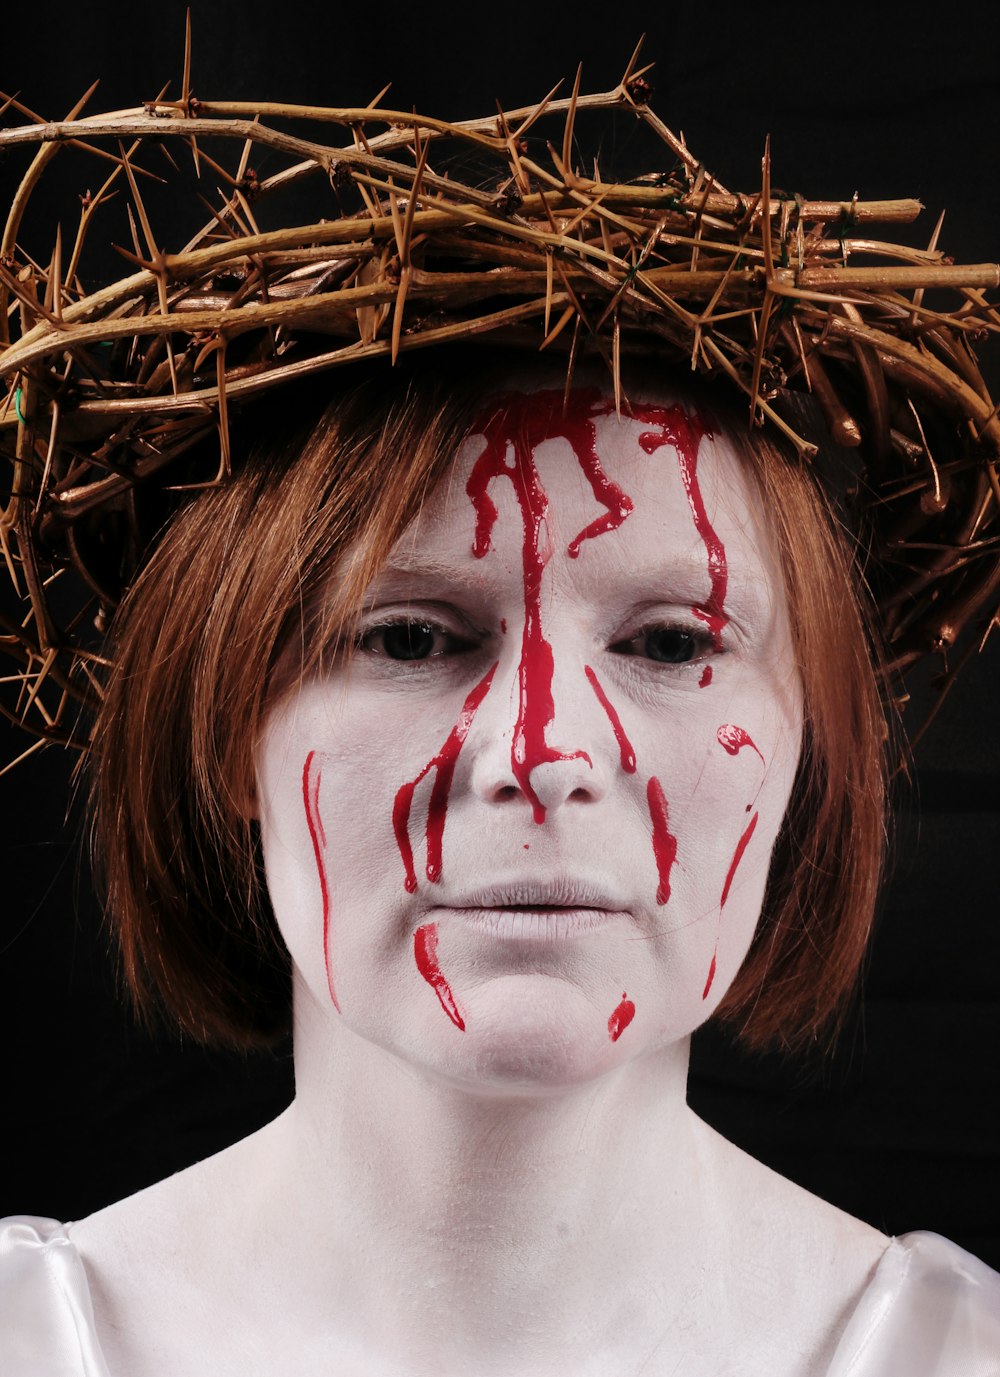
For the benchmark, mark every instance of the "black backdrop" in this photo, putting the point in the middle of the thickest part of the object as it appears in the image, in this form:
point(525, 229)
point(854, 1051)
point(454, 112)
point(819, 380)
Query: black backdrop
point(899, 1125)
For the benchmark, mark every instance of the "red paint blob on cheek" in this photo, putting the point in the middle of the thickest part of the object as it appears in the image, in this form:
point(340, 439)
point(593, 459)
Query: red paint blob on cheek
point(621, 1018)
point(311, 775)
point(624, 745)
point(444, 766)
point(741, 846)
point(664, 841)
point(733, 739)
point(711, 975)
point(425, 941)
point(706, 677)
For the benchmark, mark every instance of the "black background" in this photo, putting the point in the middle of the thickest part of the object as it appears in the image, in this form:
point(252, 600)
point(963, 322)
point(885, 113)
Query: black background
point(899, 1126)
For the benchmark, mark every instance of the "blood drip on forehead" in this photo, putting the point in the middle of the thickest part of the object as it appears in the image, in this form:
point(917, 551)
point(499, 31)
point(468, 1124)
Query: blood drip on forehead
point(683, 433)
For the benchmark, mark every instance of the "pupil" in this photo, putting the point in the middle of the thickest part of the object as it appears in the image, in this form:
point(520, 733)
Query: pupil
point(408, 641)
point(669, 646)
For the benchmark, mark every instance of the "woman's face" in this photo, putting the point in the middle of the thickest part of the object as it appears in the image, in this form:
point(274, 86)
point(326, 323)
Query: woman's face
point(524, 833)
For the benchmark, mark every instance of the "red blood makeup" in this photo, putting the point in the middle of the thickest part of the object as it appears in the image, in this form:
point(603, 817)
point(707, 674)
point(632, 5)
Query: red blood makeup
point(733, 739)
point(621, 1017)
point(444, 766)
point(664, 841)
point(311, 775)
point(624, 745)
point(425, 941)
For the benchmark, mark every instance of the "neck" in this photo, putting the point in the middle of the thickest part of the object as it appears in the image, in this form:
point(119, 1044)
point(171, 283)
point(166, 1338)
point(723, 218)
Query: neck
point(514, 1218)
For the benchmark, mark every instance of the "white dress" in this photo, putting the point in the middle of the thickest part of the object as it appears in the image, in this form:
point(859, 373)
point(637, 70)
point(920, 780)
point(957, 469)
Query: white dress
point(931, 1310)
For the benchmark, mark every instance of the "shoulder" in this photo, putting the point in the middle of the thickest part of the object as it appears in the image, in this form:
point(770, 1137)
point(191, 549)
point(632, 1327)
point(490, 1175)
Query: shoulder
point(46, 1316)
point(931, 1310)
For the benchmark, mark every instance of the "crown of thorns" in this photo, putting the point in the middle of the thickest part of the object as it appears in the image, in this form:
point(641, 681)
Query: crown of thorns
point(107, 391)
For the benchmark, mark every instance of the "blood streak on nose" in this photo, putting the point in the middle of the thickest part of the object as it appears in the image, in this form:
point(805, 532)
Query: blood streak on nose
point(733, 739)
point(522, 423)
point(311, 775)
point(684, 433)
point(621, 1017)
point(624, 745)
point(425, 941)
point(444, 766)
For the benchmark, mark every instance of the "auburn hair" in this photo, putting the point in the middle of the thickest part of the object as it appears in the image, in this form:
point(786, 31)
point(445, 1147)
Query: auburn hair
point(326, 471)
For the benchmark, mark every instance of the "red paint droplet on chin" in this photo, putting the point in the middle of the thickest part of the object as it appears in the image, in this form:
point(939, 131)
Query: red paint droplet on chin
point(425, 941)
point(521, 423)
point(711, 974)
point(444, 766)
point(733, 739)
point(664, 841)
point(706, 677)
point(675, 427)
point(741, 846)
point(311, 775)
point(621, 1018)
point(624, 745)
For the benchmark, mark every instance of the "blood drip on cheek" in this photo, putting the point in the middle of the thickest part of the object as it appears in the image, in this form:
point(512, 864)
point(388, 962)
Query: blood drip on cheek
point(444, 766)
point(741, 847)
point(733, 739)
point(311, 775)
point(664, 841)
point(624, 745)
point(522, 423)
point(621, 1018)
point(425, 941)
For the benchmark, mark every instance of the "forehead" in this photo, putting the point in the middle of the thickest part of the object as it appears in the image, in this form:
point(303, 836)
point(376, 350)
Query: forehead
point(660, 485)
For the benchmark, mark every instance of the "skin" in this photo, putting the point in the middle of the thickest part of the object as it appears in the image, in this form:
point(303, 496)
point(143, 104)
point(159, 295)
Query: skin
point(520, 1189)
point(536, 1010)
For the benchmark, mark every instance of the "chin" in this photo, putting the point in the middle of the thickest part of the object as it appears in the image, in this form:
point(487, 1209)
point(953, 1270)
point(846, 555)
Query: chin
point(533, 1033)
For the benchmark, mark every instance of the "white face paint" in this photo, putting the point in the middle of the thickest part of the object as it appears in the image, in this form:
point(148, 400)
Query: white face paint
point(525, 833)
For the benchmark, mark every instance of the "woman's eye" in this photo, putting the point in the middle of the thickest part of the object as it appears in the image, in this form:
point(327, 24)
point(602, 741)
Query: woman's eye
point(406, 640)
point(665, 645)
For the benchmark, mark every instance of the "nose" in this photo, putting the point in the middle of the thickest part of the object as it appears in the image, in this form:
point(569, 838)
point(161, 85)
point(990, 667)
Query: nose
point(540, 741)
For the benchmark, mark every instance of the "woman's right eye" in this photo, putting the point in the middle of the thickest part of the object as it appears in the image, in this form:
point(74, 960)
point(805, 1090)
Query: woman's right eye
point(411, 641)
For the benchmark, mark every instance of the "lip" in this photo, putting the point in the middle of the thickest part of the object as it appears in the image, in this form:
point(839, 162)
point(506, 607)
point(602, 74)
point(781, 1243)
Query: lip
point(539, 909)
point(537, 925)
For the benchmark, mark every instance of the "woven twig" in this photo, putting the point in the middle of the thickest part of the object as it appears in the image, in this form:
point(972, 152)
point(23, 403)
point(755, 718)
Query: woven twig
point(107, 390)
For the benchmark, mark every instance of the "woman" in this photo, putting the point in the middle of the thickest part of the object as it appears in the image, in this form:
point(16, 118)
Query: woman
point(545, 689)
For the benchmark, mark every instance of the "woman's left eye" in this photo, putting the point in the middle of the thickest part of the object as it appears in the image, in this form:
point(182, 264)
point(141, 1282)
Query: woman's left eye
point(411, 641)
point(666, 645)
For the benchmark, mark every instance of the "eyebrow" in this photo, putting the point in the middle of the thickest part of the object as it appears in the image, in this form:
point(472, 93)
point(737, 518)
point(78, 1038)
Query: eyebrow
point(684, 578)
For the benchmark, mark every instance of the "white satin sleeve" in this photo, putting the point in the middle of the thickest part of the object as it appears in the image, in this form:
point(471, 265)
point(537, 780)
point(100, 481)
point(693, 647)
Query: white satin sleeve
point(931, 1310)
point(46, 1318)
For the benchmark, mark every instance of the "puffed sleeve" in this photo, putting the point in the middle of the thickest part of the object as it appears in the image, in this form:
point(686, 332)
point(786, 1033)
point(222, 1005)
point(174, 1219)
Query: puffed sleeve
point(46, 1316)
point(931, 1310)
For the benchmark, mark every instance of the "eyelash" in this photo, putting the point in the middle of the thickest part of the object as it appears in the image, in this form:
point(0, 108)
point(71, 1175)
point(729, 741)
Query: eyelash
point(696, 640)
